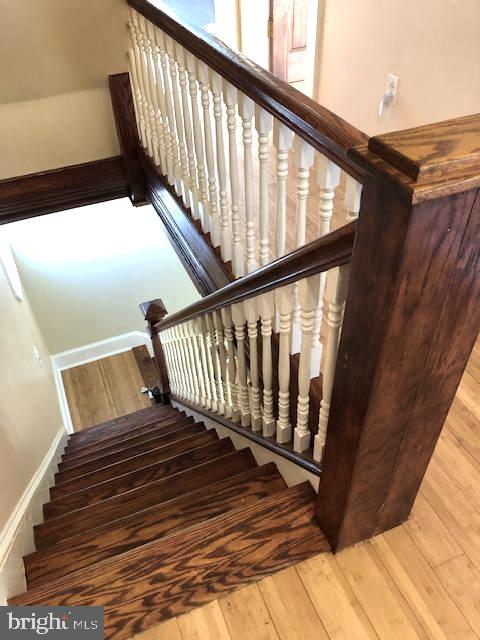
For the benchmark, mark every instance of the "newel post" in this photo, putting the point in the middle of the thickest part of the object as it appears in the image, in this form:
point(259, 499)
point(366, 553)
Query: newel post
point(411, 320)
point(154, 311)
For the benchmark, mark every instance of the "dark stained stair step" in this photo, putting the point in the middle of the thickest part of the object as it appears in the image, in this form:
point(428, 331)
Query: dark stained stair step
point(145, 475)
point(212, 469)
point(118, 455)
point(139, 461)
point(145, 526)
point(172, 575)
point(115, 430)
point(173, 423)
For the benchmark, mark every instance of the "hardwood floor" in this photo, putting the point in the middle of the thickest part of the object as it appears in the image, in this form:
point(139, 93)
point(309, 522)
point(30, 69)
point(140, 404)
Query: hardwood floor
point(418, 581)
point(104, 389)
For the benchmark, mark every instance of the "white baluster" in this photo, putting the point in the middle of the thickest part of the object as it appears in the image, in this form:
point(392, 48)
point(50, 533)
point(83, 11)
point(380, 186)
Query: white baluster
point(230, 97)
point(353, 196)
point(195, 355)
point(266, 307)
point(188, 372)
point(337, 288)
point(264, 123)
point(222, 355)
point(192, 363)
point(137, 98)
point(159, 97)
point(308, 292)
point(157, 126)
point(208, 401)
point(246, 108)
point(198, 141)
point(282, 140)
point(251, 315)
point(217, 368)
point(214, 222)
point(182, 151)
point(231, 369)
point(187, 121)
point(182, 389)
point(149, 86)
point(140, 67)
point(174, 177)
point(210, 366)
point(225, 222)
point(328, 179)
point(284, 303)
point(238, 315)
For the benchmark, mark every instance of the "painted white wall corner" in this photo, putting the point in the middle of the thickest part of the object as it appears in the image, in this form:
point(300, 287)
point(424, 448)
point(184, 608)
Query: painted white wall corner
point(89, 353)
point(16, 538)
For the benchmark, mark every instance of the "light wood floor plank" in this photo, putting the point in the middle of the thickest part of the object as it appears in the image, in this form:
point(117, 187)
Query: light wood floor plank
point(335, 603)
point(247, 616)
point(291, 609)
point(168, 630)
point(462, 581)
point(204, 623)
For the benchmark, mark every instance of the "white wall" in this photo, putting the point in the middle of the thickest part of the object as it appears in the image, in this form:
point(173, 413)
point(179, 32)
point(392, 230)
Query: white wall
point(29, 413)
point(434, 48)
point(86, 271)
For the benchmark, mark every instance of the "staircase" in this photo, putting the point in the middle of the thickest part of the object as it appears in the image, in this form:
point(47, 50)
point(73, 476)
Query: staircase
point(152, 515)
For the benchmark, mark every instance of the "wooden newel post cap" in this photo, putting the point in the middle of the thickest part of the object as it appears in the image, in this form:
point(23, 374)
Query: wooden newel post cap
point(153, 311)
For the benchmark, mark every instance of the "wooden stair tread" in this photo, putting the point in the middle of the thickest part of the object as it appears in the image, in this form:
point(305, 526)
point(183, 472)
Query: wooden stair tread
point(145, 475)
point(168, 425)
point(169, 576)
point(157, 521)
point(87, 518)
point(123, 467)
point(119, 425)
point(117, 455)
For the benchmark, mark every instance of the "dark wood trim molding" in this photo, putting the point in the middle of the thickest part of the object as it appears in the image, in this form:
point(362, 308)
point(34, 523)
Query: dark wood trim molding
point(124, 114)
point(37, 194)
point(286, 451)
point(411, 320)
point(324, 130)
point(331, 250)
point(207, 271)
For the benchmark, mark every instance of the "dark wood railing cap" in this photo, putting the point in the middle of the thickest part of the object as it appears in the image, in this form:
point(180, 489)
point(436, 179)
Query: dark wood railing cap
point(331, 250)
point(323, 129)
point(429, 161)
point(153, 311)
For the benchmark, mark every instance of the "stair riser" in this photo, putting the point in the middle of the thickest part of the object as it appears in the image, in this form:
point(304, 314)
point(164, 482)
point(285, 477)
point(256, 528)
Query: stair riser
point(152, 524)
point(143, 476)
point(131, 464)
point(123, 442)
point(133, 436)
point(127, 431)
point(119, 456)
point(157, 412)
point(211, 470)
point(168, 577)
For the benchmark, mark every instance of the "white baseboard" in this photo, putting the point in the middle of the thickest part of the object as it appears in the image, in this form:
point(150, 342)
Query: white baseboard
point(292, 473)
point(16, 538)
point(89, 353)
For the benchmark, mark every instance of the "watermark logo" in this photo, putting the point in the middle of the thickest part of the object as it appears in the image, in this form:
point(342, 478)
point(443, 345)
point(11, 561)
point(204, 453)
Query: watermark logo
point(29, 623)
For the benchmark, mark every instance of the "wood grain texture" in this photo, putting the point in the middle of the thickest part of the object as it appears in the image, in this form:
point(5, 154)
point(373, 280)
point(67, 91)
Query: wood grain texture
point(169, 424)
point(132, 446)
point(212, 469)
point(170, 576)
point(411, 320)
point(146, 365)
point(124, 114)
point(37, 194)
point(148, 444)
point(115, 472)
point(147, 525)
point(324, 130)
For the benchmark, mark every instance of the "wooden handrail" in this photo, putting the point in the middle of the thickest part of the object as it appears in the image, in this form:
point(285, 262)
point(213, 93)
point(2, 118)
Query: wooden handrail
point(331, 250)
point(323, 129)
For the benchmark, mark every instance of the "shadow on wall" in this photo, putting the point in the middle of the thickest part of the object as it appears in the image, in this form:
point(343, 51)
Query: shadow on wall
point(86, 270)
